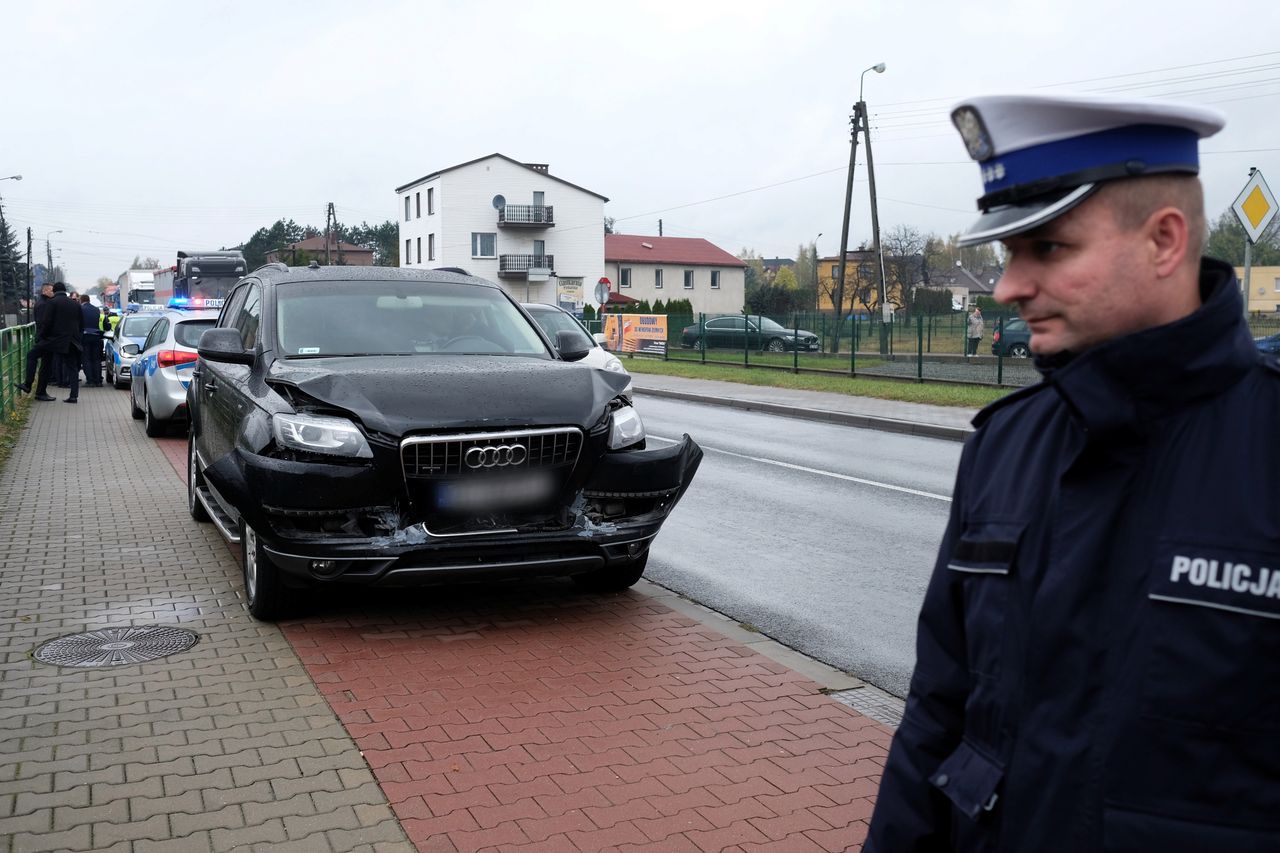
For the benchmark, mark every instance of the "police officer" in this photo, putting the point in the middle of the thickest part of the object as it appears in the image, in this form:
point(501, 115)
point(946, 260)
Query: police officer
point(41, 353)
point(1098, 656)
point(91, 323)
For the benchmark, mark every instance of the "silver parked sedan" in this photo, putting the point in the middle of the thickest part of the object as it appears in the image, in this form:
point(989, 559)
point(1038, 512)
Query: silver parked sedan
point(162, 370)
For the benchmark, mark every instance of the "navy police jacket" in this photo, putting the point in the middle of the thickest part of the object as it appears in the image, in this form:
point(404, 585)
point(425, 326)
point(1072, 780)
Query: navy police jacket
point(1098, 657)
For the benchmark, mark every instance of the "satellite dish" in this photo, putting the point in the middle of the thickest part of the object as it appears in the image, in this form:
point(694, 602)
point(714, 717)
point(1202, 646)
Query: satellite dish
point(499, 202)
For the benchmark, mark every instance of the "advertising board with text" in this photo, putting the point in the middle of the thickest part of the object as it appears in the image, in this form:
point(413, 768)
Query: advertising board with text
point(642, 333)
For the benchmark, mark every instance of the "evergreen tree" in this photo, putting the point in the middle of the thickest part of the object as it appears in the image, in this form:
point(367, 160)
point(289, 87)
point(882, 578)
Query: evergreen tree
point(1227, 238)
point(13, 270)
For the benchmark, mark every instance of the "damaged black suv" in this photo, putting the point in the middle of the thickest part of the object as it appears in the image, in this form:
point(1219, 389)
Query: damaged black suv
point(375, 425)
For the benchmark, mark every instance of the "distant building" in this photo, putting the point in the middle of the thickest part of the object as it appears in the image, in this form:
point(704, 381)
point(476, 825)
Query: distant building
point(653, 268)
point(315, 248)
point(1264, 288)
point(539, 236)
point(772, 265)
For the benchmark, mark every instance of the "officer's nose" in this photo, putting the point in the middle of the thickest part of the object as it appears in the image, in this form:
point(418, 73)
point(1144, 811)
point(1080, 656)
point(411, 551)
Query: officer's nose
point(1016, 285)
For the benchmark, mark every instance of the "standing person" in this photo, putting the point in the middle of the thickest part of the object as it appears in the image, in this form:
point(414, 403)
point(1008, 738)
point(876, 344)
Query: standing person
point(1098, 657)
point(91, 335)
point(62, 329)
point(974, 331)
point(41, 353)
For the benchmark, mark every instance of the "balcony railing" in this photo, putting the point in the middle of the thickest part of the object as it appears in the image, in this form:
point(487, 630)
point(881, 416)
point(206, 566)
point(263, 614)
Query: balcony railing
point(527, 215)
point(518, 266)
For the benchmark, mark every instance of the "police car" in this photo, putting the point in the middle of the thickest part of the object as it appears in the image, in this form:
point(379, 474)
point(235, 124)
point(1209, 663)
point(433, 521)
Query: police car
point(162, 370)
point(124, 344)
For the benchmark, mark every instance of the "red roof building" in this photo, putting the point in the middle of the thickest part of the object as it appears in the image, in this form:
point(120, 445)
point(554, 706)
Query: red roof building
point(313, 248)
point(669, 268)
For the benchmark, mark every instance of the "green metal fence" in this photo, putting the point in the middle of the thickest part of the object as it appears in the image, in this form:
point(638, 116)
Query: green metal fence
point(15, 343)
point(918, 347)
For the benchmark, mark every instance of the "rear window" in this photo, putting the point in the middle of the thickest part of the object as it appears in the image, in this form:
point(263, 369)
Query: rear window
point(188, 332)
point(138, 327)
point(558, 321)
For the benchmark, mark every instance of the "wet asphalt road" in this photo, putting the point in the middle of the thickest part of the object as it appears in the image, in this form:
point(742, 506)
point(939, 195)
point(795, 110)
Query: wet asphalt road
point(820, 536)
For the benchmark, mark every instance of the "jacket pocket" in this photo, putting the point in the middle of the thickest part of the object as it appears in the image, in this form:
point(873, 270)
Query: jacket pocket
point(969, 779)
point(984, 560)
point(1214, 629)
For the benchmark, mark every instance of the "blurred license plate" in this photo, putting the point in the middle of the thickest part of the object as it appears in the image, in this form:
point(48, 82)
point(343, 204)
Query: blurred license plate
point(485, 494)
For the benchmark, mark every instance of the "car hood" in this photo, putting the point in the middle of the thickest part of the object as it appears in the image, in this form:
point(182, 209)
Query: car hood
point(397, 395)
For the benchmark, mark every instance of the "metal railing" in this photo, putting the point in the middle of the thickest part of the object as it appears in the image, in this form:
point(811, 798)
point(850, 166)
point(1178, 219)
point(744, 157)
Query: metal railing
point(527, 214)
point(15, 343)
point(514, 264)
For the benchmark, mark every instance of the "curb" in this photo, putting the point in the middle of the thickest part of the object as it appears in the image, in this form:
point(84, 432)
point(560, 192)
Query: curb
point(821, 415)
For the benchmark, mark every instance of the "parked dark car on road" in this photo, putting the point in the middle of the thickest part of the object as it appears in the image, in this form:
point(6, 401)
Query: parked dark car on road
point(756, 332)
point(391, 426)
point(1269, 344)
point(1013, 341)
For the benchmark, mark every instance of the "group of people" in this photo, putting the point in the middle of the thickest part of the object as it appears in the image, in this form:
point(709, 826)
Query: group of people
point(69, 340)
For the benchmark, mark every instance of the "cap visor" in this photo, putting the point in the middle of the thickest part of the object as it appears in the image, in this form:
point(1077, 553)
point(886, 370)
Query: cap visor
point(1001, 222)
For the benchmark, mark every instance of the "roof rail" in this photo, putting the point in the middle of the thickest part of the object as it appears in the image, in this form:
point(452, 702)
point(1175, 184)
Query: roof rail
point(274, 265)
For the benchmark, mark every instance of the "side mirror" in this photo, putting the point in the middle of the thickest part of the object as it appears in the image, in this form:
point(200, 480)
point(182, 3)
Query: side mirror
point(568, 343)
point(131, 349)
point(224, 344)
point(601, 339)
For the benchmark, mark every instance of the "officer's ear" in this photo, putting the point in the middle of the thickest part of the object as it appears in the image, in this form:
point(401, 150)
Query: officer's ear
point(1166, 234)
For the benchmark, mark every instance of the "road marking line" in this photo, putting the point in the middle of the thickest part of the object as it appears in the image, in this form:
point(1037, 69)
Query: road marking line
point(808, 470)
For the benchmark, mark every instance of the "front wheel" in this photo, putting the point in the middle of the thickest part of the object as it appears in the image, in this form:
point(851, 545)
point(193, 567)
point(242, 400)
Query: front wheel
point(195, 479)
point(775, 345)
point(263, 590)
point(1019, 351)
point(613, 578)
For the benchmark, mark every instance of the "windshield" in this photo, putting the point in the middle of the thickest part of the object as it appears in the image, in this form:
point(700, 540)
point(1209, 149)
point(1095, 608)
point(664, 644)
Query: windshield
point(555, 320)
point(328, 318)
point(138, 327)
point(188, 332)
point(143, 297)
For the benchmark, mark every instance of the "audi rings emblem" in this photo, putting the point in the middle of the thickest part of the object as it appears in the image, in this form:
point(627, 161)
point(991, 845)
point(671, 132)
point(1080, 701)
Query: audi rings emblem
point(496, 456)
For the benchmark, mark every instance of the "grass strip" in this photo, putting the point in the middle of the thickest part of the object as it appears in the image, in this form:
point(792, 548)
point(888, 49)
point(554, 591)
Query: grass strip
point(939, 394)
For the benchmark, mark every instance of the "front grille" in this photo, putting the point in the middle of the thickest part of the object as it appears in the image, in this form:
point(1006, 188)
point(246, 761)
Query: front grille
point(438, 457)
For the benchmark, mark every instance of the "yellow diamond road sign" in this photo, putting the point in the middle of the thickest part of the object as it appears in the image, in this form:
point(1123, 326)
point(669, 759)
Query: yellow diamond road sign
point(1255, 207)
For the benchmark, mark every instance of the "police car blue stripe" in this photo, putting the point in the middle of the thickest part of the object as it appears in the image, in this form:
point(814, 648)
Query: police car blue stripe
point(1215, 605)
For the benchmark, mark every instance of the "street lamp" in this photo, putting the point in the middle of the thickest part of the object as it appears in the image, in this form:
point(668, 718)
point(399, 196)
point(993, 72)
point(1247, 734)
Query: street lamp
point(875, 211)
point(11, 178)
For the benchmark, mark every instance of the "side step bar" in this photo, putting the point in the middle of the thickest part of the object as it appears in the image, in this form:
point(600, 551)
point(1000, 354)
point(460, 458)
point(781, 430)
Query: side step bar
point(226, 524)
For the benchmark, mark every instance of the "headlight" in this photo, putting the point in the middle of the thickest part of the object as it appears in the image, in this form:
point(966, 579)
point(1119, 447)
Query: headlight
point(315, 434)
point(626, 428)
point(612, 363)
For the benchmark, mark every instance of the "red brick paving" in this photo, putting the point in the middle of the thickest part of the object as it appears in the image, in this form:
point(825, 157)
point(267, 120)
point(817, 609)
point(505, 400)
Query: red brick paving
point(515, 718)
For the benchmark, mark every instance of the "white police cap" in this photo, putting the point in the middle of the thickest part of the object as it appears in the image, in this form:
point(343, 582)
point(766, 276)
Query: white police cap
point(1042, 155)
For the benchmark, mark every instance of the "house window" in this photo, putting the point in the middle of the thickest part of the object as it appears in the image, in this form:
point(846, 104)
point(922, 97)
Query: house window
point(688, 279)
point(715, 279)
point(406, 208)
point(482, 244)
point(624, 277)
point(417, 205)
point(431, 200)
point(408, 251)
point(834, 270)
point(431, 247)
point(657, 279)
point(1277, 284)
point(419, 250)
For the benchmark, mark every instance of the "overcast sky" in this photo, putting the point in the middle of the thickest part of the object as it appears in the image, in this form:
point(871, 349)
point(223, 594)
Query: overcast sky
point(148, 127)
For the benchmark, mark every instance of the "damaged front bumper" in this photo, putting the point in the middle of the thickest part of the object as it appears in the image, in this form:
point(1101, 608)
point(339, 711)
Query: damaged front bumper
point(349, 523)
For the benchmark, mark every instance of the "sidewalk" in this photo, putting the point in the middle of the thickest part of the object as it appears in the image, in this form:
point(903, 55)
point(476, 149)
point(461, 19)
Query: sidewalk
point(525, 717)
point(947, 422)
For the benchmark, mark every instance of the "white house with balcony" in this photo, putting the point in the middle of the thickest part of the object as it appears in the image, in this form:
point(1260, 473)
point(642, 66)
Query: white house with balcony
point(539, 236)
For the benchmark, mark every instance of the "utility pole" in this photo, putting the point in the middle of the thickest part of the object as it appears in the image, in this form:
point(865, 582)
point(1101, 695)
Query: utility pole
point(328, 233)
point(29, 272)
point(844, 228)
point(659, 227)
point(875, 235)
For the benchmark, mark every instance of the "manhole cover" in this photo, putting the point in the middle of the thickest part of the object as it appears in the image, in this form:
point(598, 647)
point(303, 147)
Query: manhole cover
point(116, 646)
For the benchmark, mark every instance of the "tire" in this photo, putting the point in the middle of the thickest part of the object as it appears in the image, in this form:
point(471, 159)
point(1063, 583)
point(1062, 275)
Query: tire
point(195, 479)
point(613, 578)
point(111, 377)
point(137, 413)
point(1019, 351)
point(775, 345)
point(154, 427)
point(263, 591)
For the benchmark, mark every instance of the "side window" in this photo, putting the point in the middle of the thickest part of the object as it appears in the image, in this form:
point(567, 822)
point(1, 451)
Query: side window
point(158, 333)
point(247, 320)
point(232, 306)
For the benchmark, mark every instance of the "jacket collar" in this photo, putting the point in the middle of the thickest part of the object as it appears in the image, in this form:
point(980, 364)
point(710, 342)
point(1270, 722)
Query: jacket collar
point(1129, 381)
